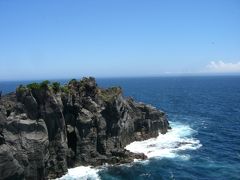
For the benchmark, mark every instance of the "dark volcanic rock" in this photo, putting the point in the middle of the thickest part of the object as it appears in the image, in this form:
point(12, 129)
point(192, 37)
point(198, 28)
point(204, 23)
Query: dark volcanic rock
point(45, 129)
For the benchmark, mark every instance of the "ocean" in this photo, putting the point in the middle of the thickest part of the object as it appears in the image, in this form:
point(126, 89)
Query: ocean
point(204, 143)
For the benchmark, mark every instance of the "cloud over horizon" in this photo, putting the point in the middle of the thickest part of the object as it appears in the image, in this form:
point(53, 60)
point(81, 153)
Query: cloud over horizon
point(223, 67)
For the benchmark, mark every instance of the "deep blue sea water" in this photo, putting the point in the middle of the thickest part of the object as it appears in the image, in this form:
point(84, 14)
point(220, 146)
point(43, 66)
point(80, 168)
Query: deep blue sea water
point(205, 141)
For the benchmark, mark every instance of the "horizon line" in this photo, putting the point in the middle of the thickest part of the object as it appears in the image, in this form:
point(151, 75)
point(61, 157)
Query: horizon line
point(122, 77)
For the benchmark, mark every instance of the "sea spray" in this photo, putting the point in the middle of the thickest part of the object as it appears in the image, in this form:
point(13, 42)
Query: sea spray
point(179, 138)
point(81, 172)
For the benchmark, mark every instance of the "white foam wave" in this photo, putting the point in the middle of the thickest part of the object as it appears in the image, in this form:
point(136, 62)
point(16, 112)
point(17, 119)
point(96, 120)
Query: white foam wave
point(81, 172)
point(178, 139)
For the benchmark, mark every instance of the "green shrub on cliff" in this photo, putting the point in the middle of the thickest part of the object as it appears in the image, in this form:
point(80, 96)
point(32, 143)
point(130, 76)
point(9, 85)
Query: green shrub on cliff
point(109, 94)
point(33, 86)
point(37, 86)
point(73, 82)
point(64, 89)
point(45, 84)
point(21, 88)
point(56, 86)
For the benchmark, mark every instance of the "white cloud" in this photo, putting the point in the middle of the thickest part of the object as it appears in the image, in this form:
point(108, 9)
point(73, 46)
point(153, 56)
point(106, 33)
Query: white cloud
point(222, 67)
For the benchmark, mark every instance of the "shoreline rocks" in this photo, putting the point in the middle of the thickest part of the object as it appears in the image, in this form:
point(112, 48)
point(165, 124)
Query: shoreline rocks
point(47, 128)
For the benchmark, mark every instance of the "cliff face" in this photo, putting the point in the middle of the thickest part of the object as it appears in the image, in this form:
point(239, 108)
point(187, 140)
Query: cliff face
point(46, 129)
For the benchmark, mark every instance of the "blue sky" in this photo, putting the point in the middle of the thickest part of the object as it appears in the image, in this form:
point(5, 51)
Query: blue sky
point(113, 38)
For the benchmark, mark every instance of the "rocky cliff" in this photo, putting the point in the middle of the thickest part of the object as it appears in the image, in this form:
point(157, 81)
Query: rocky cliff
point(47, 128)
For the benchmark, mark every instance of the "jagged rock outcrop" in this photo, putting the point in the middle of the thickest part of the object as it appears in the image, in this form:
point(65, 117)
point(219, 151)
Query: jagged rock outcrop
point(45, 129)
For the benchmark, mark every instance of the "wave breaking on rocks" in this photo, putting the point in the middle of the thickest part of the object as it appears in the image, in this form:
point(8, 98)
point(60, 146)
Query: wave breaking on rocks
point(46, 128)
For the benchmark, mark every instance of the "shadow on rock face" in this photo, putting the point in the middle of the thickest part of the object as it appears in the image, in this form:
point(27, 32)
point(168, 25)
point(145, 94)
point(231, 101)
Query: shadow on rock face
point(47, 128)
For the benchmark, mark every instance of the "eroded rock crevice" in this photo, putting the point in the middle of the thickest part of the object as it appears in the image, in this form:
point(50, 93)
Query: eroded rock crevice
point(47, 128)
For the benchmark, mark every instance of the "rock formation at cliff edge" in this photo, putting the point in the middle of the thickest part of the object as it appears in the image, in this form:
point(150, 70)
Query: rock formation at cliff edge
point(47, 128)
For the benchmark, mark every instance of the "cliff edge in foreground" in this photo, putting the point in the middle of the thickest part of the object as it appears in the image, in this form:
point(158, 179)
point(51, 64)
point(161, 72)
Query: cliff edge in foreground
point(47, 128)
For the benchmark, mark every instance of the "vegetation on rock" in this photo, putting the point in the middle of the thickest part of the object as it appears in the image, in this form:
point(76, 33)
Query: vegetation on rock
point(58, 127)
point(44, 84)
point(56, 87)
point(109, 94)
